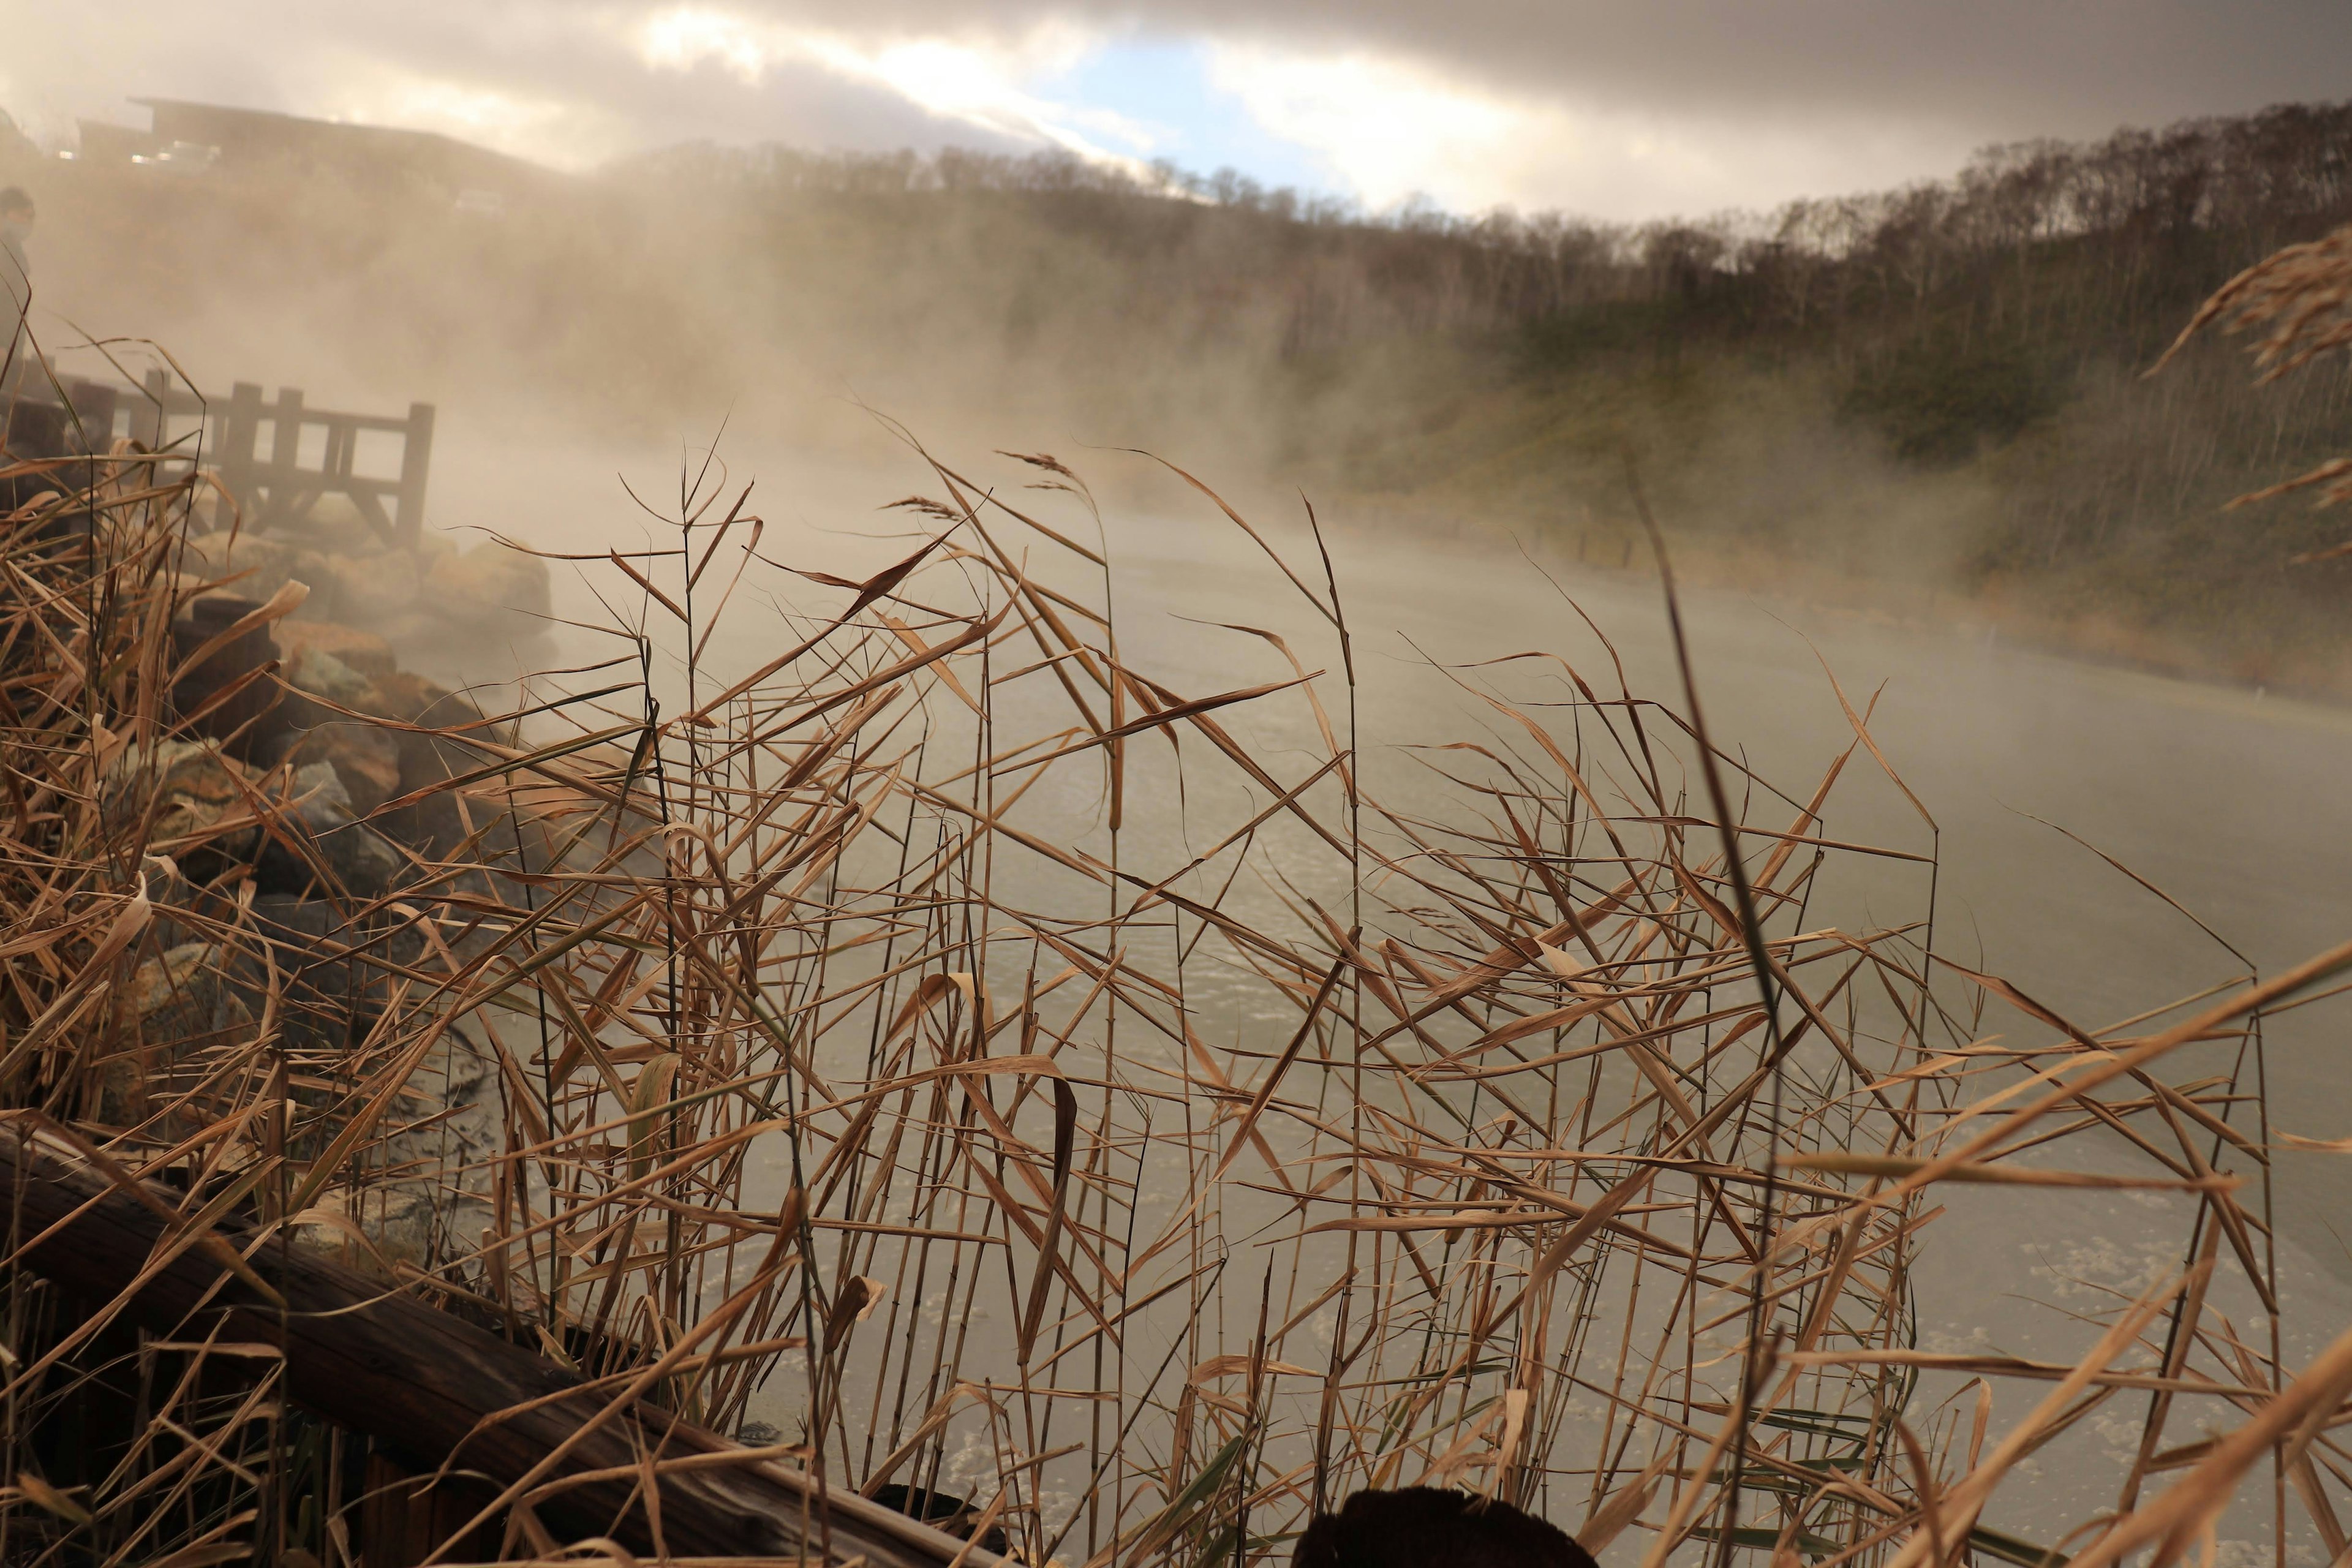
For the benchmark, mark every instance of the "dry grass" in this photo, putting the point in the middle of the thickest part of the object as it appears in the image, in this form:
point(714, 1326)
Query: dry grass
point(1537, 1145)
point(2300, 301)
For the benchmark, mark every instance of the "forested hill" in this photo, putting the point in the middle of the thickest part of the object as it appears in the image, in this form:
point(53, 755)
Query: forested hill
point(1939, 382)
point(1943, 381)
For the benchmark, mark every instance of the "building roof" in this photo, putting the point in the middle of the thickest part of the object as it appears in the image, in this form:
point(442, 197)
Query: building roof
point(249, 134)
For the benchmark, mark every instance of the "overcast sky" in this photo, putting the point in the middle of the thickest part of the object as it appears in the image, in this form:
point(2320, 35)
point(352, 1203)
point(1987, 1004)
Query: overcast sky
point(1620, 109)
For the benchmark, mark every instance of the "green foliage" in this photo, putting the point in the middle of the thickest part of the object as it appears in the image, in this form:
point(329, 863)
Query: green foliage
point(1939, 400)
point(1572, 339)
point(1197, 1491)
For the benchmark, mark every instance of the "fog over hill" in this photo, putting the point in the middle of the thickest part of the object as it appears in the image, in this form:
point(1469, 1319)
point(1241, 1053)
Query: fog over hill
point(1939, 383)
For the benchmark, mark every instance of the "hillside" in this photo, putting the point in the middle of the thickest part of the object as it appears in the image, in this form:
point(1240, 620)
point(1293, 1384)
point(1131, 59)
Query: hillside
point(1938, 384)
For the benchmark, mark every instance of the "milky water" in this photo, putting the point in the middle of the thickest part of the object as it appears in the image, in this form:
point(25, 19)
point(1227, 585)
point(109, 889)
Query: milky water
point(2232, 803)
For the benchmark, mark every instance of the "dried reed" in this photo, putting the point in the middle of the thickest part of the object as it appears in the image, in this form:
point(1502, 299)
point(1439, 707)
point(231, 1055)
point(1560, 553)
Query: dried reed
point(2302, 295)
point(1542, 1145)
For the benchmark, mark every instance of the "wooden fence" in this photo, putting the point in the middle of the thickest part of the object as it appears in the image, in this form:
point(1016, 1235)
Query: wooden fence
point(273, 486)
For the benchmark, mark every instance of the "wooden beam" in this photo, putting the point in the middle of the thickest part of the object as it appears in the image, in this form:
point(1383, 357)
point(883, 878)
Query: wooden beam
point(239, 434)
point(416, 464)
point(424, 1381)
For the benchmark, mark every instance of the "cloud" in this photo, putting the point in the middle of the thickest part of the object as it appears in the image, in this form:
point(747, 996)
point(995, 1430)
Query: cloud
point(1671, 106)
point(977, 82)
point(562, 81)
point(1998, 68)
point(1389, 129)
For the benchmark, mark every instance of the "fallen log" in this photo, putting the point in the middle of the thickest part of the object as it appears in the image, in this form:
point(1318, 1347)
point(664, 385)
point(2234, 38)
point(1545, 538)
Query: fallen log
point(438, 1388)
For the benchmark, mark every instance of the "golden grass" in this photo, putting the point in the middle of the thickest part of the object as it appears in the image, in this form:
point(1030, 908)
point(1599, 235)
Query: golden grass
point(2300, 301)
point(1540, 1144)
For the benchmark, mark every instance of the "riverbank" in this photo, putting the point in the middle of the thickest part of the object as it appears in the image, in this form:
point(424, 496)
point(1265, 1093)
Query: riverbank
point(1996, 613)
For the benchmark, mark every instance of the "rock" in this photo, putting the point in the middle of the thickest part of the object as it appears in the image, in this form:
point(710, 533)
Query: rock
point(261, 563)
point(366, 759)
point(433, 1204)
point(410, 699)
point(358, 860)
point(433, 825)
point(325, 999)
point(422, 628)
point(321, 673)
point(370, 588)
point(486, 579)
point(178, 999)
point(173, 900)
point(241, 719)
point(36, 429)
point(334, 523)
point(193, 788)
point(364, 652)
point(311, 567)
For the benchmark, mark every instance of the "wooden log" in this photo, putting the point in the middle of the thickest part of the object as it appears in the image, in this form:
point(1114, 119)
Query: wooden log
point(437, 1387)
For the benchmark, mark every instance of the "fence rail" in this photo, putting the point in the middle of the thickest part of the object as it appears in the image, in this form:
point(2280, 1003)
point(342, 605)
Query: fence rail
point(276, 490)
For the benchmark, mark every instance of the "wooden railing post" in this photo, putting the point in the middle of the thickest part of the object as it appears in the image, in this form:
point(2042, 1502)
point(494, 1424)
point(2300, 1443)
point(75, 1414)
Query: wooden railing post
point(271, 486)
point(416, 460)
point(238, 433)
point(147, 423)
point(285, 451)
point(93, 404)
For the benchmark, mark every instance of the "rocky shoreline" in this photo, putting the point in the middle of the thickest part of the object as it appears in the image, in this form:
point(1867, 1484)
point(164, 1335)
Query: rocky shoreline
point(309, 785)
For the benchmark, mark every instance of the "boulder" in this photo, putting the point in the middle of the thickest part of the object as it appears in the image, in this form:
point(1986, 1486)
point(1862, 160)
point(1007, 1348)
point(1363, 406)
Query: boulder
point(366, 757)
point(242, 718)
point(35, 429)
point(177, 997)
point(433, 1202)
point(333, 967)
point(486, 579)
point(420, 627)
point(321, 673)
point(325, 997)
point(316, 808)
point(177, 1000)
point(193, 788)
point(410, 699)
point(260, 564)
point(364, 652)
point(334, 523)
point(434, 823)
point(372, 588)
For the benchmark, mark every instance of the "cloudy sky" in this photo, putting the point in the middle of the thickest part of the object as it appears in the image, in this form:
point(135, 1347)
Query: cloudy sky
point(1621, 109)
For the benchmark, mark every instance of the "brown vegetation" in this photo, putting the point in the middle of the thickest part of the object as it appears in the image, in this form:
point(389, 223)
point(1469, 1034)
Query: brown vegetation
point(2304, 295)
point(833, 1046)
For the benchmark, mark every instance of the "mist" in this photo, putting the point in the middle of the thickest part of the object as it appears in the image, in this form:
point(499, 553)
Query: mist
point(1436, 487)
point(1886, 423)
point(1933, 389)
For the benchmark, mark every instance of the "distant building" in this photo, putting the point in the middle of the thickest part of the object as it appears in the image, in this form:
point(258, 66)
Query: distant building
point(105, 143)
point(182, 133)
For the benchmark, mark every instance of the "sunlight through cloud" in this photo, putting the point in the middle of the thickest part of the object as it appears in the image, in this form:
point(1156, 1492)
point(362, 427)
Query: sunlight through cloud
point(979, 84)
point(1388, 130)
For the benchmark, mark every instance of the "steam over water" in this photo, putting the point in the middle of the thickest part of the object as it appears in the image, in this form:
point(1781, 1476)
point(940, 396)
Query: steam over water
point(2232, 803)
point(1780, 398)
